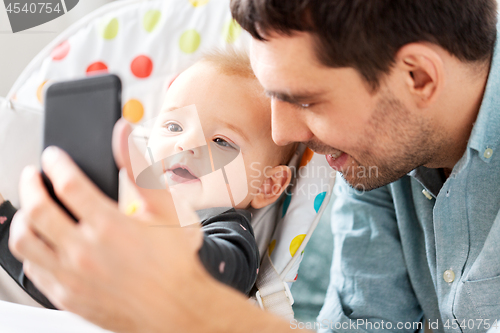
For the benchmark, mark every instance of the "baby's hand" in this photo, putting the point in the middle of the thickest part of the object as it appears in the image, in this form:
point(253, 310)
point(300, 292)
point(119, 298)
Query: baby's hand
point(1, 198)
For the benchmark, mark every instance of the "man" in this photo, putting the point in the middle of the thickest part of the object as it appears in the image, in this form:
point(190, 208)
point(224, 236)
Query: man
point(385, 89)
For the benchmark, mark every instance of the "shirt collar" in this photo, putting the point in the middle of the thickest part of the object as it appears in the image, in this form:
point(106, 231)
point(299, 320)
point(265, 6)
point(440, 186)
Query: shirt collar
point(431, 179)
point(485, 133)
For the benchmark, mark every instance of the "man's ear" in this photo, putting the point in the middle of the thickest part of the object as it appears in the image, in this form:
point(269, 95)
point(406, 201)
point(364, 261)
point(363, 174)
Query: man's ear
point(424, 72)
point(276, 181)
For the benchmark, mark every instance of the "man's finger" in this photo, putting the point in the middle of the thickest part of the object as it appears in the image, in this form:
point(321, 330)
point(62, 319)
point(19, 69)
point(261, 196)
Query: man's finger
point(40, 213)
point(121, 133)
point(75, 190)
point(24, 243)
point(127, 155)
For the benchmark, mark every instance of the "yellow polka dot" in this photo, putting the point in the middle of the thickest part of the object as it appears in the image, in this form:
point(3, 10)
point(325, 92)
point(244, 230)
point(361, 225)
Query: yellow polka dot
point(306, 158)
point(133, 111)
point(295, 244)
point(272, 246)
point(231, 32)
point(109, 29)
point(132, 208)
point(190, 41)
point(198, 3)
point(151, 19)
point(39, 91)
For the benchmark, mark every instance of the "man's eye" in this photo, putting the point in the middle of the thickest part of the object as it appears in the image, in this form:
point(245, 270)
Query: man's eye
point(173, 127)
point(223, 143)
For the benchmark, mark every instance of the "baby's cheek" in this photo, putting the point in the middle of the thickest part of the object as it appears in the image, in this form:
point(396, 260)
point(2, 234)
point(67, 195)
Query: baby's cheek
point(254, 179)
point(158, 149)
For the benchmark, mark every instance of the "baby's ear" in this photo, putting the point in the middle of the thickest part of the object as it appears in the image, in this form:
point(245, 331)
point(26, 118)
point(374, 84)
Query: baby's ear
point(277, 180)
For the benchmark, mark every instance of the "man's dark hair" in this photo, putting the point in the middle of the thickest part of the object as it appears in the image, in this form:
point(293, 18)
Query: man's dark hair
point(366, 34)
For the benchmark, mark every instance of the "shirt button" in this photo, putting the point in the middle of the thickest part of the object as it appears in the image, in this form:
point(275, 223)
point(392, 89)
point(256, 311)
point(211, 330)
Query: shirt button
point(449, 276)
point(488, 153)
point(427, 194)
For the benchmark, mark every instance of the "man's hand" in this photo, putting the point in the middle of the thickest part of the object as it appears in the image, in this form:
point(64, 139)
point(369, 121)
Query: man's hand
point(137, 273)
point(98, 267)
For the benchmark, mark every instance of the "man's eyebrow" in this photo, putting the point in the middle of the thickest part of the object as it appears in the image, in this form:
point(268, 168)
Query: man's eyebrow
point(294, 98)
point(236, 129)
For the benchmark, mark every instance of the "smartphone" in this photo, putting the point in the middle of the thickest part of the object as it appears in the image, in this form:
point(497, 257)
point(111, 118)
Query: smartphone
point(79, 118)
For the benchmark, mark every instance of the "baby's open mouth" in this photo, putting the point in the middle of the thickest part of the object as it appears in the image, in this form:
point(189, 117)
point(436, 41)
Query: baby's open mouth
point(180, 173)
point(184, 173)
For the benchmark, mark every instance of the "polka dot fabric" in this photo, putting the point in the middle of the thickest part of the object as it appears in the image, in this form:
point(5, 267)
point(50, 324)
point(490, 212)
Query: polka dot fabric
point(143, 42)
point(302, 203)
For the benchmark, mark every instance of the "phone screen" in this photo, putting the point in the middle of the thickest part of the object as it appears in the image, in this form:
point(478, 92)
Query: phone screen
point(79, 118)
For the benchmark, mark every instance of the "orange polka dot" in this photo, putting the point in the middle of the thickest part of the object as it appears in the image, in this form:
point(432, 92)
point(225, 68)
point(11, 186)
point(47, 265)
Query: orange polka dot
point(61, 51)
point(133, 111)
point(306, 158)
point(142, 66)
point(39, 91)
point(97, 67)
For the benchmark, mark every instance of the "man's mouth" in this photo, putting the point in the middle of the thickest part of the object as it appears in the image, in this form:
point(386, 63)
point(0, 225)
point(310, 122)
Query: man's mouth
point(336, 154)
point(337, 160)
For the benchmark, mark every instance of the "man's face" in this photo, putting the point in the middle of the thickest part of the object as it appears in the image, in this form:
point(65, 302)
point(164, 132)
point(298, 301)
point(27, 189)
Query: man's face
point(372, 138)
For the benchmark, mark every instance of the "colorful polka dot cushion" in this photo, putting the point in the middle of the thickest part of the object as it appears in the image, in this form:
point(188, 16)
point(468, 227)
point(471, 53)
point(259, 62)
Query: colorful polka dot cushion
point(147, 43)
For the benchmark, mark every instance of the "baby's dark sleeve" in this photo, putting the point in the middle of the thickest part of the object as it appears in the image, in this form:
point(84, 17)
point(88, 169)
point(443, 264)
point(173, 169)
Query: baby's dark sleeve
point(9, 263)
point(229, 251)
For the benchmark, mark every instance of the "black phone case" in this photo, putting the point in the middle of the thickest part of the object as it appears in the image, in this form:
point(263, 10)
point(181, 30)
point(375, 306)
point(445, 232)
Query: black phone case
point(79, 118)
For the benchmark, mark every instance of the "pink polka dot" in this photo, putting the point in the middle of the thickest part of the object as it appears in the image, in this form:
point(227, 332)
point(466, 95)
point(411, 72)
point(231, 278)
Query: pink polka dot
point(257, 271)
point(3, 219)
point(243, 227)
point(61, 51)
point(222, 265)
point(141, 66)
point(97, 67)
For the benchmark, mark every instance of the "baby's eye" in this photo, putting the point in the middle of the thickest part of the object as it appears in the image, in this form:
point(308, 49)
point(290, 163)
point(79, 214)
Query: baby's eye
point(223, 143)
point(173, 127)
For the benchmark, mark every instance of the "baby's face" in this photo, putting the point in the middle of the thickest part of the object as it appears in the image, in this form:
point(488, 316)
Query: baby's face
point(211, 120)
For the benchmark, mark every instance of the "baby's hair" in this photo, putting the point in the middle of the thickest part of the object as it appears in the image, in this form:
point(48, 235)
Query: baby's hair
point(230, 62)
point(236, 62)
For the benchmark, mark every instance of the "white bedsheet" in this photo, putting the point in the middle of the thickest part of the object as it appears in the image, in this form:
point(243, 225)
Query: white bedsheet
point(15, 318)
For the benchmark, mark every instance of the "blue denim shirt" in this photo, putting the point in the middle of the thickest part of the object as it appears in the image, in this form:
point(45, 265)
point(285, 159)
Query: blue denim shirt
point(402, 256)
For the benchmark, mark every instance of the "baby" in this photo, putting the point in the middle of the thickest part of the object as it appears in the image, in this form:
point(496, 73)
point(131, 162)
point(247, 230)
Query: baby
point(213, 144)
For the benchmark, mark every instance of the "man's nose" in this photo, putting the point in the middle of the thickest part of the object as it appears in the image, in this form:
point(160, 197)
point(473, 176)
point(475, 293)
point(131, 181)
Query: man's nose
point(288, 125)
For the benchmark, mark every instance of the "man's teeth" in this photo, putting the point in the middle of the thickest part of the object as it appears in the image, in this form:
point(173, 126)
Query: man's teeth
point(336, 155)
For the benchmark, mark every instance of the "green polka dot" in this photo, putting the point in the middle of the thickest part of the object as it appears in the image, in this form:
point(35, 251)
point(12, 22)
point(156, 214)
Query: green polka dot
point(231, 32)
point(198, 3)
point(151, 19)
point(190, 41)
point(110, 29)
